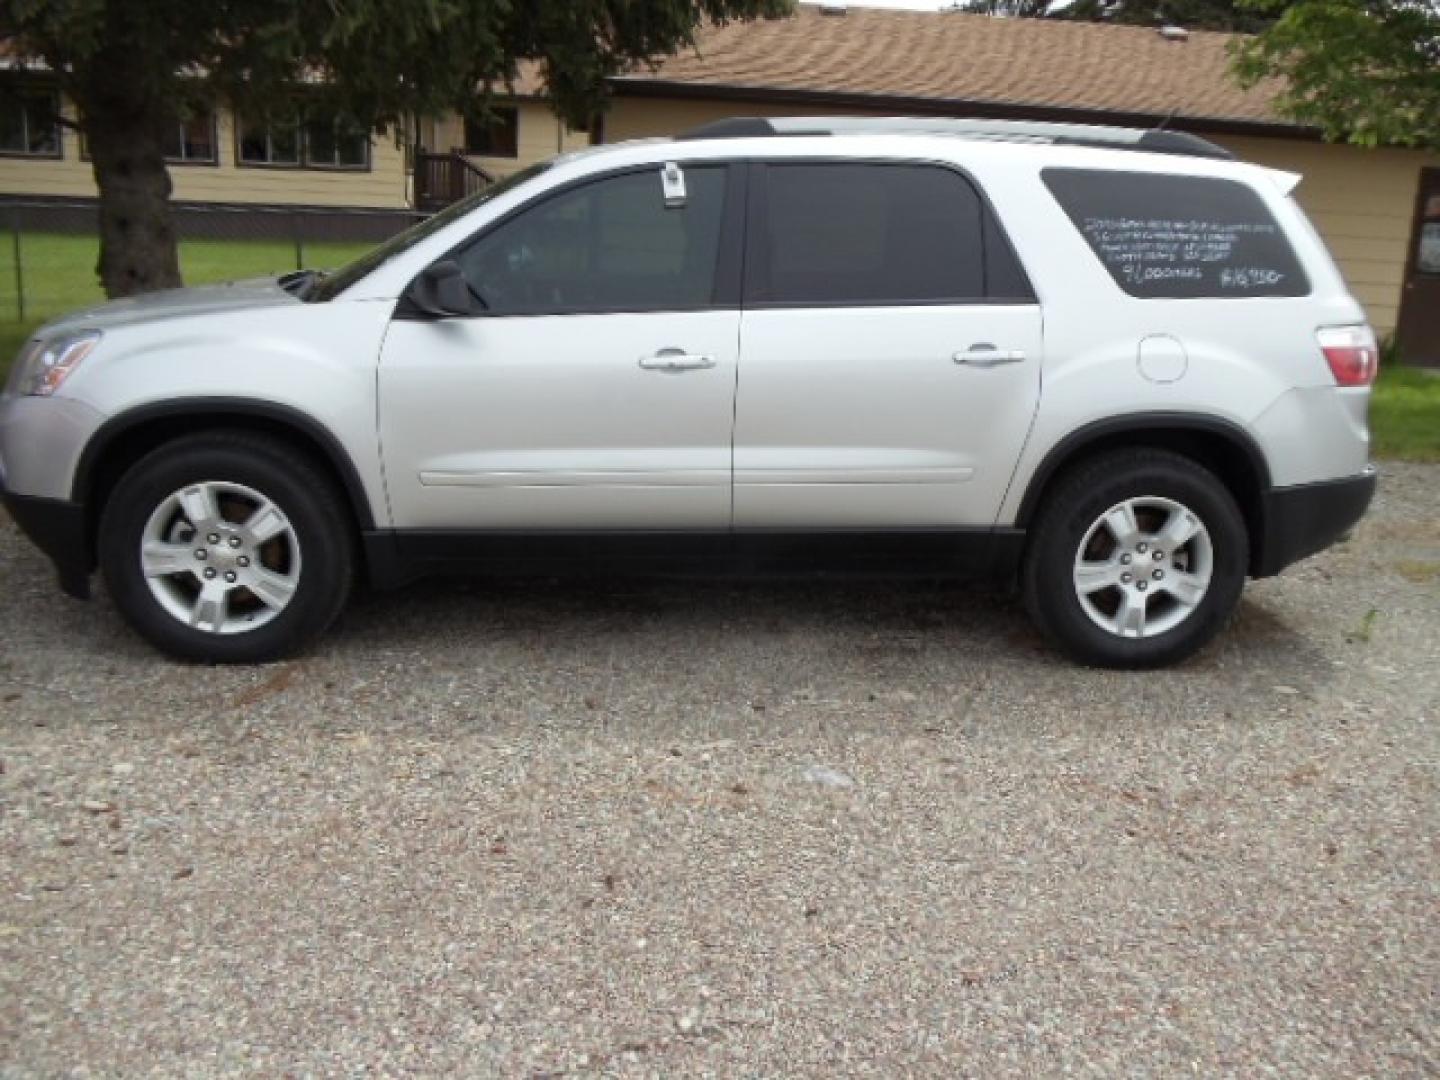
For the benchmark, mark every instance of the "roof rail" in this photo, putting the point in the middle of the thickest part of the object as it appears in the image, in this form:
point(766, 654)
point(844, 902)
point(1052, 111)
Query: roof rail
point(1152, 140)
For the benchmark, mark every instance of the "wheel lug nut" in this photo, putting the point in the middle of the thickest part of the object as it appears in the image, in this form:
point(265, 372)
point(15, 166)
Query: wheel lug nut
point(242, 561)
point(230, 576)
point(200, 553)
point(1141, 548)
point(1159, 574)
point(214, 538)
point(1159, 555)
point(1125, 560)
point(235, 542)
point(1127, 578)
point(209, 571)
point(1142, 586)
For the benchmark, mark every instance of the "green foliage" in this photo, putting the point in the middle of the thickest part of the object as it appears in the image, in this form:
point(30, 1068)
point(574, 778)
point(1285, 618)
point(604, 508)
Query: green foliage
point(1233, 15)
point(374, 60)
point(1013, 9)
point(1363, 71)
point(1230, 15)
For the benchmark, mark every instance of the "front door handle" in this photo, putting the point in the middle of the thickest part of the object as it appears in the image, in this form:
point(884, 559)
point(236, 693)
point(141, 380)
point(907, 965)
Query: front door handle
point(985, 355)
point(675, 360)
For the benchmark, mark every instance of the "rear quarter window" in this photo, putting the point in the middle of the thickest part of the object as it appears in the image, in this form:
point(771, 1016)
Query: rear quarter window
point(1179, 237)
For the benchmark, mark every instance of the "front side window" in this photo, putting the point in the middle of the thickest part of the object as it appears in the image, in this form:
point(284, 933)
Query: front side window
point(498, 135)
point(1162, 236)
point(28, 123)
point(840, 233)
point(610, 245)
point(332, 285)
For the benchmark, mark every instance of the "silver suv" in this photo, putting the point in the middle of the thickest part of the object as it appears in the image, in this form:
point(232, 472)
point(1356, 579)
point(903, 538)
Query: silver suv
point(1115, 366)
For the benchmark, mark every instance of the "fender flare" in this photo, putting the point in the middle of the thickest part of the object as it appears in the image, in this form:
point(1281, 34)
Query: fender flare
point(1079, 440)
point(209, 410)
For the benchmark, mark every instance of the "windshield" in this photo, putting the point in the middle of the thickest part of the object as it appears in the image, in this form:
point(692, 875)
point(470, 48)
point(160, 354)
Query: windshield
point(329, 286)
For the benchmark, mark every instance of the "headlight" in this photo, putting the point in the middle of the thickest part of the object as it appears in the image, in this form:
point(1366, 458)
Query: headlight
point(43, 366)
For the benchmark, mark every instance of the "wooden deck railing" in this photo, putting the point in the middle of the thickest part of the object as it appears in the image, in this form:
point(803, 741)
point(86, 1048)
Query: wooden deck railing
point(441, 179)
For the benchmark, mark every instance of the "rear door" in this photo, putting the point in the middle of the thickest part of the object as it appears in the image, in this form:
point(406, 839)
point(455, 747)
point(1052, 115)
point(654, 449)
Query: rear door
point(891, 350)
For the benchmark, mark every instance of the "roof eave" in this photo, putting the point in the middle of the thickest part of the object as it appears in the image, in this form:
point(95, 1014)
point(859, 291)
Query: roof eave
point(642, 86)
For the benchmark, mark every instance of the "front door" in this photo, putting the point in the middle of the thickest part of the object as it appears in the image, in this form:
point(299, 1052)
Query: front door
point(1418, 332)
point(890, 351)
point(596, 391)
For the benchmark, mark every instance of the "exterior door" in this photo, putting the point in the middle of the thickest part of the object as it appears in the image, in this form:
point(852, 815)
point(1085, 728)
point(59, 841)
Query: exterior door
point(1418, 332)
point(597, 389)
point(890, 351)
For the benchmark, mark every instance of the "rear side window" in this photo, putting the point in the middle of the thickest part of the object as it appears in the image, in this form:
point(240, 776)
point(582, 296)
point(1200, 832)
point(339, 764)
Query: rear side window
point(853, 234)
point(1179, 237)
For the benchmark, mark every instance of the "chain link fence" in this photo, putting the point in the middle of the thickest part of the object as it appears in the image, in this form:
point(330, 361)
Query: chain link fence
point(49, 249)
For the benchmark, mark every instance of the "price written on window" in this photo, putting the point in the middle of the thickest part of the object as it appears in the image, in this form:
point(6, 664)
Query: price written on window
point(1147, 250)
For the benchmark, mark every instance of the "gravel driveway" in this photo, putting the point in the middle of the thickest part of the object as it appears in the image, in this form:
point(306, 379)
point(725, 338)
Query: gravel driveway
point(672, 829)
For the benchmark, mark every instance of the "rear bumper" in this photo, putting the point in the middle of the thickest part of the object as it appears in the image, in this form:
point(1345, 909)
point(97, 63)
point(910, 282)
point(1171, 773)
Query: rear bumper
point(1301, 520)
point(57, 527)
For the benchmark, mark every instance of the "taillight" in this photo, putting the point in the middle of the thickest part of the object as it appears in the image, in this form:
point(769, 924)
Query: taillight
point(1352, 353)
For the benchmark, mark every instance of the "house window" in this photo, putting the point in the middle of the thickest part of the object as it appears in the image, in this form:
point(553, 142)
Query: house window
point(194, 140)
point(497, 136)
point(316, 143)
point(275, 143)
point(335, 144)
point(28, 123)
point(191, 142)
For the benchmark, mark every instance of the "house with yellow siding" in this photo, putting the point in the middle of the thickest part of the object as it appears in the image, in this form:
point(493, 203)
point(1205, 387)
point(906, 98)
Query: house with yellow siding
point(1378, 210)
point(216, 157)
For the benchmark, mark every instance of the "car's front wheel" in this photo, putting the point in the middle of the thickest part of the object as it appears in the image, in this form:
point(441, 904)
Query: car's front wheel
point(1136, 559)
point(228, 547)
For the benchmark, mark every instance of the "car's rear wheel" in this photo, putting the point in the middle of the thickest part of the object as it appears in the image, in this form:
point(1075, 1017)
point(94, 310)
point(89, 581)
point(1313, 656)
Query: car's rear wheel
point(227, 547)
point(1136, 559)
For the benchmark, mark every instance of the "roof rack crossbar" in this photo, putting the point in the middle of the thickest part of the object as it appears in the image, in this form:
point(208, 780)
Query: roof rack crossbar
point(1152, 140)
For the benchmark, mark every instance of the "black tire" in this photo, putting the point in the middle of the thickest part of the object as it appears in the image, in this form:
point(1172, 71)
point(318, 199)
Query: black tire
point(1077, 502)
point(288, 478)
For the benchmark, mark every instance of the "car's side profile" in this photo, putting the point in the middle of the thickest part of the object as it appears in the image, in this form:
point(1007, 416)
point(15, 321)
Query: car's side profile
point(1115, 366)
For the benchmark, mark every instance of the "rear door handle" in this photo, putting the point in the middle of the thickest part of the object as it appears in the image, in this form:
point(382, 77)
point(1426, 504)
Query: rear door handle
point(985, 355)
point(676, 360)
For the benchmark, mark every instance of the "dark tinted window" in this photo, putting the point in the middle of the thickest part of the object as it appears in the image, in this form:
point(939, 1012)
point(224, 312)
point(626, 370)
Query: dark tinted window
point(1004, 277)
point(27, 123)
point(611, 245)
point(1179, 236)
point(498, 135)
point(868, 234)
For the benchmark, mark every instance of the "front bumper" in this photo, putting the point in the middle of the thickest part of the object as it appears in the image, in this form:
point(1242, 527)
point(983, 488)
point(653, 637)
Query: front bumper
point(57, 527)
point(1301, 520)
point(40, 442)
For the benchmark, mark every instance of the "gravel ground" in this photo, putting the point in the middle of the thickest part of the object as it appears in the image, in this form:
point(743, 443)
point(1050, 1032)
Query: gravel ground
point(707, 829)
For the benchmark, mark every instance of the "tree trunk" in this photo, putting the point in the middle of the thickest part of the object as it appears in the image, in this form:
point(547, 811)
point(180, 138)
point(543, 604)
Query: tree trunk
point(125, 132)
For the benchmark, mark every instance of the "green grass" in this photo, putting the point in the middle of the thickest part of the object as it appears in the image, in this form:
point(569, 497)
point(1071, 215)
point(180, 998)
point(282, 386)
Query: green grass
point(1405, 414)
point(59, 274)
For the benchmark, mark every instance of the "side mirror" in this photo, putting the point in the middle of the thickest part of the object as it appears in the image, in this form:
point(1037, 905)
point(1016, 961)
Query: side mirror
point(441, 291)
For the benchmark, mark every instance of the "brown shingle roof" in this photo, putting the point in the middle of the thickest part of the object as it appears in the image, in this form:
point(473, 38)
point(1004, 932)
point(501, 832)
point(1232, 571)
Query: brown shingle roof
point(950, 58)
